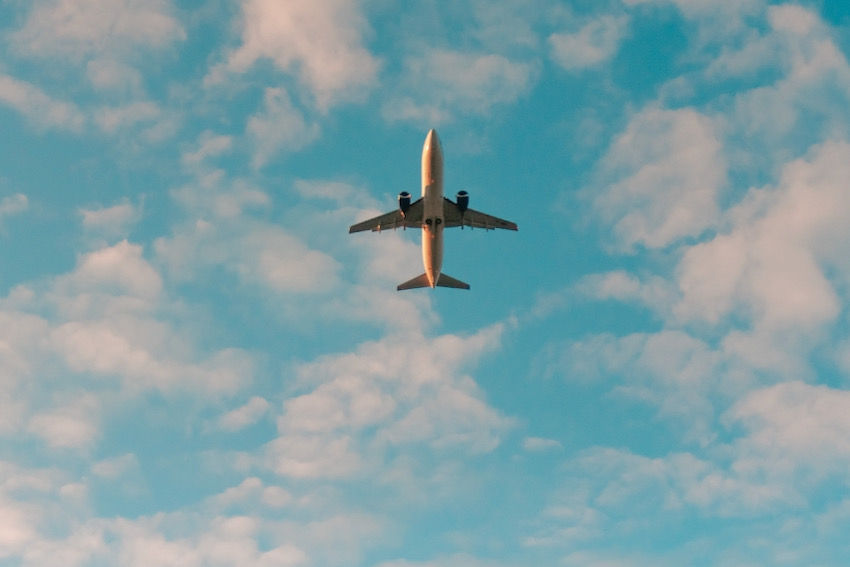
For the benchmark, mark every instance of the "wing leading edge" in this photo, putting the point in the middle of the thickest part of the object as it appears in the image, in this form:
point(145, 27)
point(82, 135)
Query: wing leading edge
point(472, 218)
point(393, 219)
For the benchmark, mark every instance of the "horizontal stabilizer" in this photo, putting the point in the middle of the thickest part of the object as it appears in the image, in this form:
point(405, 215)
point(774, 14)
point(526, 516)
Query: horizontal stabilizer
point(442, 281)
point(448, 281)
point(418, 281)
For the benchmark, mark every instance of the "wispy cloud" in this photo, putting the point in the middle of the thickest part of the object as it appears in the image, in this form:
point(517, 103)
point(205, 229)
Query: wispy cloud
point(457, 82)
point(595, 43)
point(39, 107)
point(96, 28)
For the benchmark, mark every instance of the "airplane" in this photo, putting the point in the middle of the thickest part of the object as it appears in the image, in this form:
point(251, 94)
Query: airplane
point(432, 213)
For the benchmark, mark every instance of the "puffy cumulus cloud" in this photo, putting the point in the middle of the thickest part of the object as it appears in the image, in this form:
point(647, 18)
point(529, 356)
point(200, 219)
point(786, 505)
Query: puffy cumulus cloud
point(807, 102)
point(223, 232)
point(256, 253)
point(780, 263)
point(81, 29)
point(390, 394)
point(457, 81)
point(322, 43)
point(107, 328)
point(48, 517)
point(141, 358)
point(112, 221)
point(278, 127)
point(120, 267)
point(793, 426)
point(595, 43)
point(71, 425)
point(38, 107)
point(208, 538)
point(221, 540)
point(662, 178)
point(36, 501)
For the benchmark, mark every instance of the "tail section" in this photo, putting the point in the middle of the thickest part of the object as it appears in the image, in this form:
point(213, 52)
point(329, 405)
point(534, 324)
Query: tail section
point(442, 281)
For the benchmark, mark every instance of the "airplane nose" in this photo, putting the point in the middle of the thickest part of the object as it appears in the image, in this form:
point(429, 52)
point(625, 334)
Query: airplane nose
point(432, 140)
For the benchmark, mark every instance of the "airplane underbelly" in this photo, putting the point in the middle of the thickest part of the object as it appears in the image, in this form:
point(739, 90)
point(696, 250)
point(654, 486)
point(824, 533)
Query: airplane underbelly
point(432, 252)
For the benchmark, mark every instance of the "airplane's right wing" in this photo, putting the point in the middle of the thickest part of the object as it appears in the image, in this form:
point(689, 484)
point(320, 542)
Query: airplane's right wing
point(472, 218)
point(393, 219)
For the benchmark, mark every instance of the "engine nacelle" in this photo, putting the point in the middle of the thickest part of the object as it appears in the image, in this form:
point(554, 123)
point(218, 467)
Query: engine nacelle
point(403, 202)
point(462, 201)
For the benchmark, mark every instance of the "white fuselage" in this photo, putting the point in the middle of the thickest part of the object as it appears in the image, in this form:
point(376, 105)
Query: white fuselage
point(432, 198)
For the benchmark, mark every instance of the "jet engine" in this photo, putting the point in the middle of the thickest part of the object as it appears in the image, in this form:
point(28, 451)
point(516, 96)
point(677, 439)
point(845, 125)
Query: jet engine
point(403, 202)
point(462, 201)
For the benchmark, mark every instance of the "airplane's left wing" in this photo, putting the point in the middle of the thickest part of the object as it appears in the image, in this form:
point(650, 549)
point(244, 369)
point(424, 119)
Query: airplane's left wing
point(393, 219)
point(472, 218)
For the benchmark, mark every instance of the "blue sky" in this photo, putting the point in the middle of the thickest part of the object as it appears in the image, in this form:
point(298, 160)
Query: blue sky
point(199, 366)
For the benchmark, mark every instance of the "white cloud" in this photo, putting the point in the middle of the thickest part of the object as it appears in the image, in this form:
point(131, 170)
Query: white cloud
point(457, 81)
point(779, 264)
point(402, 392)
point(143, 359)
point(795, 425)
point(604, 489)
point(119, 267)
point(73, 425)
point(540, 444)
point(209, 145)
point(322, 43)
point(279, 126)
point(808, 102)
point(257, 253)
point(112, 75)
point(662, 178)
point(38, 107)
point(16, 529)
point(13, 205)
point(112, 119)
point(595, 43)
point(111, 221)
point(248, 414)
point(84, 28)
point(115, 467)
point(456, 560)
point(252, 492)
point(656, 292)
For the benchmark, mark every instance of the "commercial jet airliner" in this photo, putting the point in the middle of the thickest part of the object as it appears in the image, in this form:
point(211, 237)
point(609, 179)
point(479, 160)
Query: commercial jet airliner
point(432, 213)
